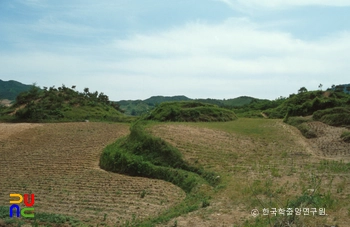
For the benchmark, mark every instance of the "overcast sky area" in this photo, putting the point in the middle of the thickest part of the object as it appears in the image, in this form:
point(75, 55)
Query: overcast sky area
point(133, 49)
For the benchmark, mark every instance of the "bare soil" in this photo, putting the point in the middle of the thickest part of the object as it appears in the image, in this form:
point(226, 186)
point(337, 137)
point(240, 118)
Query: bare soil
point(59, 164)
point(328, 142)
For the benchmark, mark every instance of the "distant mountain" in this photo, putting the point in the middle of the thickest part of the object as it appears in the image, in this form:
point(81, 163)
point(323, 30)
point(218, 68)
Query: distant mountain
point(139, 107)
point(10, 89)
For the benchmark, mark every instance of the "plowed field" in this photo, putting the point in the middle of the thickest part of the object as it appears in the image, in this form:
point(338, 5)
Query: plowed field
point(59, 164)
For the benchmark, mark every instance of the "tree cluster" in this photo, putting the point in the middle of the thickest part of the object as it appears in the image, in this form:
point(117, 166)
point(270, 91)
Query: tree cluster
point(50, 103)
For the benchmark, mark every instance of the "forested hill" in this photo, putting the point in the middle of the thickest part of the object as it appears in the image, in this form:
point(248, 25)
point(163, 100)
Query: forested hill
point(10, 89)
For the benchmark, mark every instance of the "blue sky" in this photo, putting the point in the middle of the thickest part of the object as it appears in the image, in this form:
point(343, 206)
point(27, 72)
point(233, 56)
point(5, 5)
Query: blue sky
point(132, 49)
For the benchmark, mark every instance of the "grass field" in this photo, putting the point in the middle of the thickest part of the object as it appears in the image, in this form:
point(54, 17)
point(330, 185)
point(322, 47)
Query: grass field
point(262, 163)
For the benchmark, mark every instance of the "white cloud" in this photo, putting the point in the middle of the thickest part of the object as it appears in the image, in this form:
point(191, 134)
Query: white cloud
point(232, 53)
point(235, 47)
point(245, 5)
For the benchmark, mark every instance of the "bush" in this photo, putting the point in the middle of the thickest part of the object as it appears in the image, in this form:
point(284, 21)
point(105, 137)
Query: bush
point(306, 131)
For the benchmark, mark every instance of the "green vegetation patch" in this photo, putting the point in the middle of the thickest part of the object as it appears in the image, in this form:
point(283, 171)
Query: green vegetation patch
point(334, 166)
point(40, 218)
point(190, 112)
point(305, 103)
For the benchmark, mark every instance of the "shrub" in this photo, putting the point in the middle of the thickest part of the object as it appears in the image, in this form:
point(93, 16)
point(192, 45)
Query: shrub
point(306, 131)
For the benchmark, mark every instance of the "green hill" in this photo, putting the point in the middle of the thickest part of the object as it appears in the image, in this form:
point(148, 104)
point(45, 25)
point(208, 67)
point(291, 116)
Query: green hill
point(10, 89)
point(154, 100)
point(306, 103)
point(139, 107)
point(190, 111)
point(62, 104)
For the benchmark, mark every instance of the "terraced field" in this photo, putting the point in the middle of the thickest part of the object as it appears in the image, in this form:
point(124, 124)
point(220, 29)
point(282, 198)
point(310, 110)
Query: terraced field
point(262, 163)
point(59, 164)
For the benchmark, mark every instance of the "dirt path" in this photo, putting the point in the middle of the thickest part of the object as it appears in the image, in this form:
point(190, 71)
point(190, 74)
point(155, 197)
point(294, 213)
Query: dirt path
point(59, 164)
point(264, 115)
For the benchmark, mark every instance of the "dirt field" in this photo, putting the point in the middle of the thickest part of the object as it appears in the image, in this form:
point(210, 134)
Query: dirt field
point(59, 164)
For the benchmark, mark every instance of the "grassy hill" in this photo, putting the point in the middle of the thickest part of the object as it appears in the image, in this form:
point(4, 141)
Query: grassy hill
point(62, 104)
point(302, 104)
point(306, 103)
point(10, 89)
point(187, 111)
point(331, 107)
